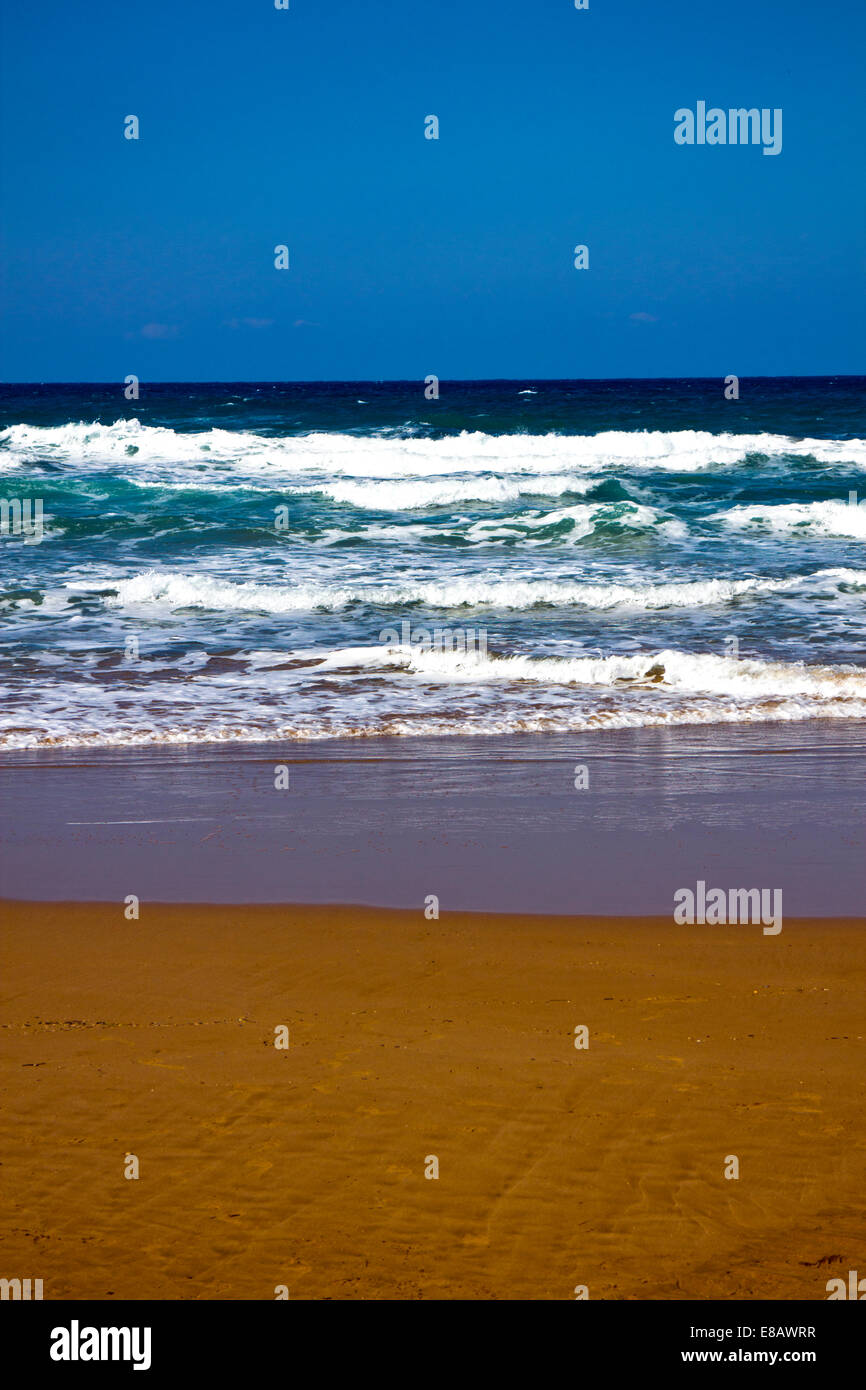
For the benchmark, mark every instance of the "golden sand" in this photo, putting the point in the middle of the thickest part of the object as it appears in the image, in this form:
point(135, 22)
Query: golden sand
point(558, 1166)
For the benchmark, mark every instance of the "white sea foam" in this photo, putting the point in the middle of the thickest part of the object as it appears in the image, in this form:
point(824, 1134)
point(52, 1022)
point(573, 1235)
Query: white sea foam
point(415, 494)
point(531, 527)
point(174, 590)
point(573, 523)
point(695, 672)
point(228, 454)
point(403, 690)
point(827, 518)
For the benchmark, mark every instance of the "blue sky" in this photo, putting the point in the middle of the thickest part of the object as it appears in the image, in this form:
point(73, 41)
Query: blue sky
point(412, 256)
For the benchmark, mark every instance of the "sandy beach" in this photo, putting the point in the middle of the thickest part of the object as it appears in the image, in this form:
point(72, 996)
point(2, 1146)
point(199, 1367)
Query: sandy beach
point(304, 1166)
point(433, 678)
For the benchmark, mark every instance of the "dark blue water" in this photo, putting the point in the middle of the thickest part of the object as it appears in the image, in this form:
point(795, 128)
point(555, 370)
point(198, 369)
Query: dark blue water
point(821, 407)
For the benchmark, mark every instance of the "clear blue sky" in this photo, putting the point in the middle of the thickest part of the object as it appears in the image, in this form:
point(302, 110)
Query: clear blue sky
point(409, 256)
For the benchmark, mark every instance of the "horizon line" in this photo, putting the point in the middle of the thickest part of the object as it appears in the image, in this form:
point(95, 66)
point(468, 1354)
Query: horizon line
point(403, 381)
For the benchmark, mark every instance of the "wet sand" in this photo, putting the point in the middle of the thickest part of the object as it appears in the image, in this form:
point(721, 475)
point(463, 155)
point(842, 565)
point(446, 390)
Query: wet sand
point(409, 1037)
point(488, 824)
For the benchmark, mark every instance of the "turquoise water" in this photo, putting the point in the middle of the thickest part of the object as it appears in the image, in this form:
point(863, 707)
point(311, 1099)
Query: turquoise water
point(299, 561)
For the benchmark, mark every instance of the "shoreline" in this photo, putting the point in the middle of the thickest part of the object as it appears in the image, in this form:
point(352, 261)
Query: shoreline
point(22, 906)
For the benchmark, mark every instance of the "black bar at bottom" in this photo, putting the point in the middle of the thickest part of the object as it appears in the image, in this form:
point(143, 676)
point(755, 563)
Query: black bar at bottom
point(160, 1338)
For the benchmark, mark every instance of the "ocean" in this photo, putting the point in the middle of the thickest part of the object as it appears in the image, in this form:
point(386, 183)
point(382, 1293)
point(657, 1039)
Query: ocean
point(243, 561)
